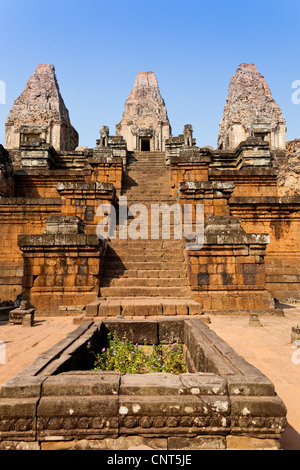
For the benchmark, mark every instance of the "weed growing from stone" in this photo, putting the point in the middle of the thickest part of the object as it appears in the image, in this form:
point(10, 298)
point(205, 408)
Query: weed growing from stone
point(122, 355)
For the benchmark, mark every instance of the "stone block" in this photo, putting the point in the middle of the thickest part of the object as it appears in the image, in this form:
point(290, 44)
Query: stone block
point(120, 443)
point(19, 445)
point(197, 443)
point(251, 443)
point(84, 384)
point(203, 384)
point(17, 420)
point(17, 316)
point(141, 331)
point(28, 320)
point(84, 417)
point(150, 384)
point(170, 331)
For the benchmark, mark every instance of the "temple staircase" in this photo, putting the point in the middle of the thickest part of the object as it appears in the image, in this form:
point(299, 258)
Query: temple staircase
point(143, 277)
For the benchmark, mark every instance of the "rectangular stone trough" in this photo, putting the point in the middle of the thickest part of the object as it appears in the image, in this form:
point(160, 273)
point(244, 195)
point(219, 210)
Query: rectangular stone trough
point(221, 402)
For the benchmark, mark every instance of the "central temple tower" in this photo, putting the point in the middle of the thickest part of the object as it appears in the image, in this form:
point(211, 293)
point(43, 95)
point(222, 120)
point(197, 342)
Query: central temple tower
point(145, 124)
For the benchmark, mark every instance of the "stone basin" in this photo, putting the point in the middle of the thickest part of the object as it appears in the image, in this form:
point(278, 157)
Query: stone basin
point(221, 402)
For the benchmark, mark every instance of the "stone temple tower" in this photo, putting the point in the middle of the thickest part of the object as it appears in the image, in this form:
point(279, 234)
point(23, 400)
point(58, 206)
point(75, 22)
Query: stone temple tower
point(40, 114)
point(145, 124)
point(250, 111)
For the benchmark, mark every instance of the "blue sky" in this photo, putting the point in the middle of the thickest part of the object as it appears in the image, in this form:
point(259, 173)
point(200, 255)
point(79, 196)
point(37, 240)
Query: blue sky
point(194, 48)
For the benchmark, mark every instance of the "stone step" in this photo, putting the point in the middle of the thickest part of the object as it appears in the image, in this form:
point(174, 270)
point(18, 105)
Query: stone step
point(143, 179)
point(144, 291)
point(144, 187)
point(143, 174)
point(150, 163)
point(118, 264)
point(147, 201)
point(144, 306)
point(144, 198)
point(142, 258)
point(150, 244)
point(144, 273)
point(148, 196)
point(144, 167)
point(153, 233)
point(133, 254)
point(143, 282)
point(151, 251)
point(146, 155)
point(149, 206)
point(143, 171)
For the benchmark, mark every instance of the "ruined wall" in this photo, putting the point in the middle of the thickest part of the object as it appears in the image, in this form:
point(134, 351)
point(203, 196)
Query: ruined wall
point(254, 198)
point(190, 165)
point(62, 266)
point(228, 273)
point(51, 193)
point(19, 216)
point(280, 218)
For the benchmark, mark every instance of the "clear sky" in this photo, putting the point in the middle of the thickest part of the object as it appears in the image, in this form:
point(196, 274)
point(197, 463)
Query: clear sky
point(194, 48)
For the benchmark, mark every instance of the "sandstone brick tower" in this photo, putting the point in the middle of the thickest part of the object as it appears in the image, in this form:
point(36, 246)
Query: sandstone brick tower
point(250, 111)
point(40, 113)
point(145, 123)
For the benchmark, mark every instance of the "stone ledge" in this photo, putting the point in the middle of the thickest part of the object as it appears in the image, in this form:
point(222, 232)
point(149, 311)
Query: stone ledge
point(20, 201)
point(59, 239)
point(265, 200)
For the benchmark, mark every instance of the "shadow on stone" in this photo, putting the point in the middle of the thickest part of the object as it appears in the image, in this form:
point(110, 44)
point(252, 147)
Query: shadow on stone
point(290, 439)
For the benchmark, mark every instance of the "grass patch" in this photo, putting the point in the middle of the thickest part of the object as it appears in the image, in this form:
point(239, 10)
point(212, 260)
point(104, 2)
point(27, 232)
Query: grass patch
point(124, 356)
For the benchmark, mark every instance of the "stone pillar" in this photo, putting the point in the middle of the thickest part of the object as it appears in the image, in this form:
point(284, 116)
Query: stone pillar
point(63, 266)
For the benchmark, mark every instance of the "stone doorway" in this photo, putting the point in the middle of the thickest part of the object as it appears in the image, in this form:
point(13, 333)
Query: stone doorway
point(145, 144)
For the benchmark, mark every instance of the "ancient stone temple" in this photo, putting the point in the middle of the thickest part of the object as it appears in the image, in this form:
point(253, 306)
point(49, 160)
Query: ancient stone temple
point(237, 251)
point(145, 125)
point(51, 195)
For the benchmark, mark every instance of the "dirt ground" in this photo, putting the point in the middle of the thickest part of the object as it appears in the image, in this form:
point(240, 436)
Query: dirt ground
point(267, 347)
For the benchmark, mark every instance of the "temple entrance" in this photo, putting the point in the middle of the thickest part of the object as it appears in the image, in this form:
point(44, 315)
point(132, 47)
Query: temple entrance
point(145, 144)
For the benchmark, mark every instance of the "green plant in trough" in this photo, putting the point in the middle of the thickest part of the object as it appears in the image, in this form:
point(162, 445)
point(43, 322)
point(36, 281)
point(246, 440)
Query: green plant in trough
point(122, 355)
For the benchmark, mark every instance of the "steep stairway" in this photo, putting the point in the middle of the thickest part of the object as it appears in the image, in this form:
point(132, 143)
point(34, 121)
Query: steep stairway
point(146, 276)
